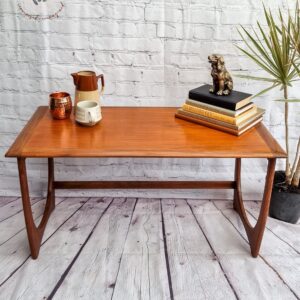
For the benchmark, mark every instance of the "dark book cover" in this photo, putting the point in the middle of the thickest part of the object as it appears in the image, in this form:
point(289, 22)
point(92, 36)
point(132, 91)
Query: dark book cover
point(234, 101)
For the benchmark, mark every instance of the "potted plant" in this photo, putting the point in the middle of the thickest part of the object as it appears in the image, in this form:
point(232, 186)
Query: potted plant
point(277, 51)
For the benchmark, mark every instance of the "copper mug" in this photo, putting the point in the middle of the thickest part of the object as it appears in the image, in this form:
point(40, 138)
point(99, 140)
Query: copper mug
point(60, 105)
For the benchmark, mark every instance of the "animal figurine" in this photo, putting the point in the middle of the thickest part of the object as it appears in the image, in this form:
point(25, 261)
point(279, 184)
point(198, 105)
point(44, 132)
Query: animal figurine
point(222, 81)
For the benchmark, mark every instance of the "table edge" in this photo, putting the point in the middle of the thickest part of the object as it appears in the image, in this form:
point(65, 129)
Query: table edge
point(16, 149)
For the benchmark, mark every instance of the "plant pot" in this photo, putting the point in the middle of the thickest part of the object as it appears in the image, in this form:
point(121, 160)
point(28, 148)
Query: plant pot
point(285, 203)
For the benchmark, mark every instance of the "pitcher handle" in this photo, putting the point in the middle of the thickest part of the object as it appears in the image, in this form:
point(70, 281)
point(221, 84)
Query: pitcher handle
point(102, 83)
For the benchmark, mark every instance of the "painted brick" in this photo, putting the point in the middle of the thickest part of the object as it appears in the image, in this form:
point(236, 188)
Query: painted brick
point(244, 17)
point(153, 76)
point(83, 10)
point(194, 76)
point(128, 29)
point(151, 52)
point(124, 12)
point(124, 89)
point(128, 44)
point(203, 32)
point(166, 30)
point(146, 30)
point(200, 16)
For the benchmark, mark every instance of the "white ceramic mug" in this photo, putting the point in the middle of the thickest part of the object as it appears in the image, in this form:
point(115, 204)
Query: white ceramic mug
point(88, 113)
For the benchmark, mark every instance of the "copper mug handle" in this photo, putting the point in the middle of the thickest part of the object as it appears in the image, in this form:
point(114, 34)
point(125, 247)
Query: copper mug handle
point(101, 76)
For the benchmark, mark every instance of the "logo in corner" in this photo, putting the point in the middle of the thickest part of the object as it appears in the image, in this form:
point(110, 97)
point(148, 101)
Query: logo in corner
point(41, 9)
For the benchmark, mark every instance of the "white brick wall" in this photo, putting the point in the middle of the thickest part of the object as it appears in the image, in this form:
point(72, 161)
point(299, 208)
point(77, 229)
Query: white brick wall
point(151, 52)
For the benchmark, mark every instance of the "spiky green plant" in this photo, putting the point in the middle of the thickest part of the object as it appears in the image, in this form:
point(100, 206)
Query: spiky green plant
point(295, 32)
point(271, 50)
point(294, 20)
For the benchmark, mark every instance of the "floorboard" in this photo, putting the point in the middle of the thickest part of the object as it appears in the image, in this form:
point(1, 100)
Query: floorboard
point(128, 248)
point(97, 266)
point(276, 253)
point(14, 224)
point(284, 231)
point(56, 255)
point(6, 200)
point(143, 273)
point(12, 208)
point(192, 260)
point(246, 274)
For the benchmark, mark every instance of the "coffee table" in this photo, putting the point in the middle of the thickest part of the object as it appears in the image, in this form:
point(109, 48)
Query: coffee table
point(140, 132)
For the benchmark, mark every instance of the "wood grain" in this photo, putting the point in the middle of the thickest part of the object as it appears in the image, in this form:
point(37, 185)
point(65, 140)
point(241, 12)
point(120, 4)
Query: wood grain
point(142, 273)
point(15, 223)
point(144, 184)
point(15, 251)
point(13, 208)
point(247, 275)
point(97, 267)
point(254, 233)
point(195, 271)
point(281, 258)
point(72, 234)
point(192, 261)
point(286, 233)
point(137, 132)
point(6, 200)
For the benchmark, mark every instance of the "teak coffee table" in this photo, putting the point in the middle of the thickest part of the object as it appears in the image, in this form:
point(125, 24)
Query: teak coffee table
point(140, 132)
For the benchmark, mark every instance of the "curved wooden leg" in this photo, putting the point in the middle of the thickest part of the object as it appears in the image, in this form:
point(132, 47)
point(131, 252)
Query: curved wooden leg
point(255, 234)
point(35, 233)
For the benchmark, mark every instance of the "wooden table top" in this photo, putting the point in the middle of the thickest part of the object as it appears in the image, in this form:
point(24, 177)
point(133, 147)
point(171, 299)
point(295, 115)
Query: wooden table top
point(137, 132)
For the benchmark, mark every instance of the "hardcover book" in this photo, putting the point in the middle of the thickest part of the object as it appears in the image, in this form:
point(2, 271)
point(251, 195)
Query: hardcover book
point(221, 110)
point(218, 127)
point(221, 117)
point(234, 101)
point(257, 115)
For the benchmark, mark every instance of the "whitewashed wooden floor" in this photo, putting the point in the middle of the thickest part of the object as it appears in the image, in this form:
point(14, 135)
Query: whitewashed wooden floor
point(126, 248)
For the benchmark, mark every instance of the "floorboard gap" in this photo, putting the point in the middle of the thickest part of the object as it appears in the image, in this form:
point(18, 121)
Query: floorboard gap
point(28, 257)
point(3, 203)
point(264, 260)
point(19, 211)
point(63, 276)
point(24, 223)
point(166, 252)
point(269, 229)
point(214, 253)
point(113, 285)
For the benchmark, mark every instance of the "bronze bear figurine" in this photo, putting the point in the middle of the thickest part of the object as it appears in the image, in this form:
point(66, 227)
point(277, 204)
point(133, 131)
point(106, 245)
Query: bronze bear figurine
point(222, 81)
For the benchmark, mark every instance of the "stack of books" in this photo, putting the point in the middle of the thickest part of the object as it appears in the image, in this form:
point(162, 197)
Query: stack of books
point(234, 114)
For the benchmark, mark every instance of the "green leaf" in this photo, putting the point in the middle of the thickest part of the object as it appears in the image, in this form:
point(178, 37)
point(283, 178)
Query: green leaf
point(287, 100)
point(258, 61)
point(255, 78)
point(271, 50)
point(265, 90)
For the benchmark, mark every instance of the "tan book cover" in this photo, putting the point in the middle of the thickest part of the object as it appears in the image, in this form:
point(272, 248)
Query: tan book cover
point(258, 114)
point(221, 110)
point(218, 127)
point(219, 116)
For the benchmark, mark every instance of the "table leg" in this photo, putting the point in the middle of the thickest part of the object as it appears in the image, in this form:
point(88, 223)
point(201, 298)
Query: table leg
point(255, 234)
point(35, 233)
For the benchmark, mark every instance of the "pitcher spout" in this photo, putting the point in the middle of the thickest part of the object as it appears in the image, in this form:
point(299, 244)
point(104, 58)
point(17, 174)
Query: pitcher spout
point(75, 78)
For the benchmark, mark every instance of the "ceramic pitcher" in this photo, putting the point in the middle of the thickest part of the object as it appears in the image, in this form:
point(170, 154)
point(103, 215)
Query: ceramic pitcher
point(86, 83)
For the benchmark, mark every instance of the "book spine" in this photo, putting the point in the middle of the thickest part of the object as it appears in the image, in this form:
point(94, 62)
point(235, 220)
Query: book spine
point(207, 106)
point(209, 114)
point(208, 120)
point(212, 100)
point(213, 126)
